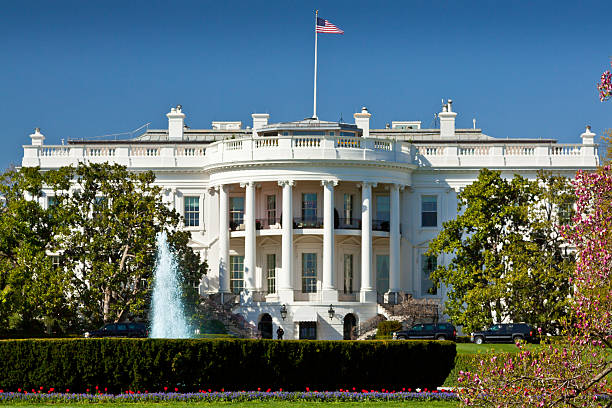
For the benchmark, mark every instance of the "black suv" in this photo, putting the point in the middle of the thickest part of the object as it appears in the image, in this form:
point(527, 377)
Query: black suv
point(505, 333)
point(428, 331)
point(126, 329)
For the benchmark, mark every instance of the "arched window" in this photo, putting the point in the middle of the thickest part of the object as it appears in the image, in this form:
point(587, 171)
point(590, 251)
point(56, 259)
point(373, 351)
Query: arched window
point(350, 327)
point(265, 326)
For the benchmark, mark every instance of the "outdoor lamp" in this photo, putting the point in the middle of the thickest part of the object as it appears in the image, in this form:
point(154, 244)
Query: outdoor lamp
point(283, 311)
point(331, 311)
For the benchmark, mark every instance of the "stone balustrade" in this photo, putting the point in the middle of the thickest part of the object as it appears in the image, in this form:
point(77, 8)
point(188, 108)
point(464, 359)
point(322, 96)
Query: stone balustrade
point(440, 154)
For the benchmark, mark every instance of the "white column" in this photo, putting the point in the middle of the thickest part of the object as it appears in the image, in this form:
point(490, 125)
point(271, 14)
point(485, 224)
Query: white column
point(329, 292)
point(367, 293)
point(249, 238)
point(224, 278)
point(394, 243)
point(285, 286)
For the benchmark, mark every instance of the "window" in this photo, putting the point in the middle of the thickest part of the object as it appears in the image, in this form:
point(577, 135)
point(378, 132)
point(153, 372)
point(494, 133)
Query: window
point(55, 261)
point(348, 208)
point(271, 209)
point(428, 265)
point(382, 207)
point(309, 206)
point(309, 273)
point(192, 211)
point(237, 210)
point(348, 273)
point(236, 274)
point(308, 330)
point(382, 273)
point(51, 202)
point(566, 212)
point(271, 265)
point(429, 211)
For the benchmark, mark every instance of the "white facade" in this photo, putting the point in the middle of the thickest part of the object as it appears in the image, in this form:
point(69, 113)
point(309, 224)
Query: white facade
point(363, 204)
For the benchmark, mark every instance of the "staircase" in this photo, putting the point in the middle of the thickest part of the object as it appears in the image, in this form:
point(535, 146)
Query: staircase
point(219, 307)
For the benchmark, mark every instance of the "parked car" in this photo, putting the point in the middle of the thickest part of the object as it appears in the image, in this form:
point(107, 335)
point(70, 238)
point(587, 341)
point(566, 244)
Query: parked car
point(125, 329)
point(505, 333)
point(428, 331)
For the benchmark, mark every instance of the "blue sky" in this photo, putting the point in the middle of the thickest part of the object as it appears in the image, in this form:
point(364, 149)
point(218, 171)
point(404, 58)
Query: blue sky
point(85, 68)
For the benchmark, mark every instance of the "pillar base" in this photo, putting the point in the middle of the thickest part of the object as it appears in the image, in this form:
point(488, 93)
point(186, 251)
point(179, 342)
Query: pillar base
point(329, 295)
point(367, 296)
point(285, 295)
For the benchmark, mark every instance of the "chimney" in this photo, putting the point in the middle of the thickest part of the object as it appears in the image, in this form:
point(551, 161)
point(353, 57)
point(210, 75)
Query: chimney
point(362, 120)
point(176, 123)
point(588, 137)
point(447, 120)
point(259, 120)
point(37, 137)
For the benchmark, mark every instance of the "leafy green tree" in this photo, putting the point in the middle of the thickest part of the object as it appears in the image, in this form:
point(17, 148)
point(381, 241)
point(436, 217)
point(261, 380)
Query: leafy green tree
point(508, 259)
point(113, 216)
point(31, 286)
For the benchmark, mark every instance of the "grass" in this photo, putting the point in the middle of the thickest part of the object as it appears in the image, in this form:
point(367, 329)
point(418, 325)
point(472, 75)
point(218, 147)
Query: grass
point(266, 404)
point(471, 348)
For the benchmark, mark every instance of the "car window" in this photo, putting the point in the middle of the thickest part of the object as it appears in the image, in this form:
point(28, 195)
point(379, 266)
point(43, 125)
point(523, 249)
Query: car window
point(429, 327)
point(418, 327)
point(495, 328)
point(109, 327)
point(134, 326)
point(121, 327)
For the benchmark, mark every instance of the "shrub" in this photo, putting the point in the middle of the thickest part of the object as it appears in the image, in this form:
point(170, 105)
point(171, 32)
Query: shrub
point(190, 365)
point(386, 327)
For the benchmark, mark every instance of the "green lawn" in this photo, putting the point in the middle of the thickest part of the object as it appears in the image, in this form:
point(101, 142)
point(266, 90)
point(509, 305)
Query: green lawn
point(271, 404)
point(471, 348)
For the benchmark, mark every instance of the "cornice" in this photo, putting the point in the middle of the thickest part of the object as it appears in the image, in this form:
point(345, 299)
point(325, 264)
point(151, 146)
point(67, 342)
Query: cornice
point(217, 168)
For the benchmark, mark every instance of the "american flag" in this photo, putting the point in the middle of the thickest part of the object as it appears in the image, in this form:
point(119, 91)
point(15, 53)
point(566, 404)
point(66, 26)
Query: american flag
point(324, 26)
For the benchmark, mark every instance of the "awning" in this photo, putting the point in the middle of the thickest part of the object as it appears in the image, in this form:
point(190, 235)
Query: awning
point(305, 314)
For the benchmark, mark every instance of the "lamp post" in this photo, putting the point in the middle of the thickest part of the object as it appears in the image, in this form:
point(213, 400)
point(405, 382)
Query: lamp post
point(331, 311)
point(283, 311)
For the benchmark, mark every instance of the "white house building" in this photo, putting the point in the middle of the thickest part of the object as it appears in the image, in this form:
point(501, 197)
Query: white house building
point(298, 218)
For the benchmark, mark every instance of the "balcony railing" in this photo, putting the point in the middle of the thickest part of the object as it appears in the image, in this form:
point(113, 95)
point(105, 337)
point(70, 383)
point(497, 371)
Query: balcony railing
point(380, 225)
point(348, 223)
point(268, 223)
point(307, 222)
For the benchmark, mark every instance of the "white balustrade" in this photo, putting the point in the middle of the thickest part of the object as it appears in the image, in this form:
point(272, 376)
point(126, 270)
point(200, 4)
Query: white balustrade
point(435, 150)
point(307, 142)
point(383, 145)
point(186, 151)
point(54, 151)
point(519, 150)
point(565, 150)
point(267, 142)
point(474, 150)
point(233, 145)
point(348, 143)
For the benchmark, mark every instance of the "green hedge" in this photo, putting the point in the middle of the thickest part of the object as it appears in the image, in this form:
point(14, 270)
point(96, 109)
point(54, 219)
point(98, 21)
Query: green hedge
point(386, 327)
point(190, 365)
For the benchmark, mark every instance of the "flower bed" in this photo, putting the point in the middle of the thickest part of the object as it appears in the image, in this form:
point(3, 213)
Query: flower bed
point(39, 396)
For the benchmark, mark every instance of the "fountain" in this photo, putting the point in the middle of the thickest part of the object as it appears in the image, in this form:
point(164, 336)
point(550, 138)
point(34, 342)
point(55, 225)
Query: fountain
point(167, 312)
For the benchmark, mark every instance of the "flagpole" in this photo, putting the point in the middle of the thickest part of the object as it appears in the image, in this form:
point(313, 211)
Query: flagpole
point(314, 109)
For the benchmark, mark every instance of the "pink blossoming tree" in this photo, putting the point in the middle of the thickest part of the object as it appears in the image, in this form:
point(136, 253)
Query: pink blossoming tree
point(605, 85)
point(574, 372)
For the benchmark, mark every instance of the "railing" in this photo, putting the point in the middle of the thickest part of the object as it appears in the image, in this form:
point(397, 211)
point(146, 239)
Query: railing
point(380, 225)
point(99, 151)
point(473, 150)
point(55, 151)
point(370, 324)
point(267, 142)
point(307, 222)
point(233, 144)
point(382, 145)
point(237, 225)
point(566, 150)
point(306, 142)
point(519, 150)
point(348, 223)
point(430, 150)
point(185, 151)
point(144, 151)
point(268, 223)
point(348, 143)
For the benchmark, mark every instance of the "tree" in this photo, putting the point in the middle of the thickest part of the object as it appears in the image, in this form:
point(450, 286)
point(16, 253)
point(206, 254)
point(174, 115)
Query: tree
point(575, 372)
point(604, 86)
point(113, 216)
point(31, 287)
point(507, 256)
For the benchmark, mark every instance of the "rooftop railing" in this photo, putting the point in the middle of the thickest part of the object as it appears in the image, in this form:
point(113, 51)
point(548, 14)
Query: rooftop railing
point(305, 147)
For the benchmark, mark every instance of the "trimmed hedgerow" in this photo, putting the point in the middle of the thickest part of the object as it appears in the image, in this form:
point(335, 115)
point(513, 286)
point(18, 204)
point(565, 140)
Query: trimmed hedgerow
point(151, 364)
point(386, 327)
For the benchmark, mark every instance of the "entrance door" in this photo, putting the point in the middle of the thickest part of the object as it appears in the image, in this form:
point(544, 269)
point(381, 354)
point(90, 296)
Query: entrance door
point(265, 326)
point(350, 327)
